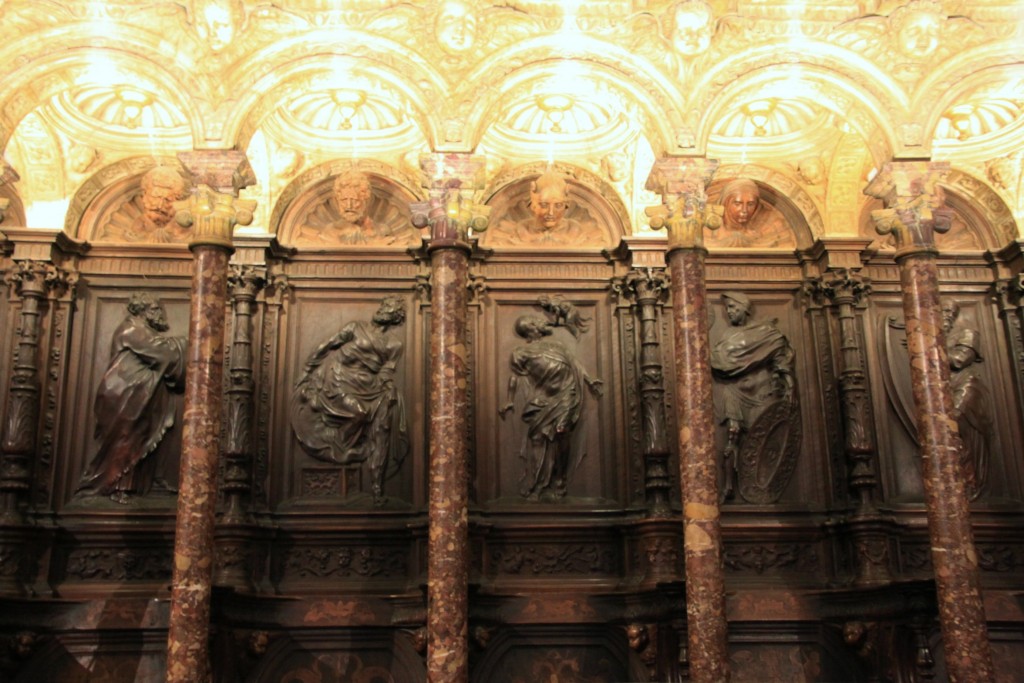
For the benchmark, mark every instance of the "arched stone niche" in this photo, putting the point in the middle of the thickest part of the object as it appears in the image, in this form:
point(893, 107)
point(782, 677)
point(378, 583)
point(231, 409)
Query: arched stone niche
point(594, 218)
point(309, 218)
point(109, 206)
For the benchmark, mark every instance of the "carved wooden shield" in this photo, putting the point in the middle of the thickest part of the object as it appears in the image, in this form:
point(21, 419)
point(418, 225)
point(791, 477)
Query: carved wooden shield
point(768, 453)
point(896, 373)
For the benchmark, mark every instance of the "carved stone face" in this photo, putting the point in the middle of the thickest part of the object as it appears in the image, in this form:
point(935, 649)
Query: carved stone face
point(740, 206)
point(691, 28)
point(549, 206)
point(455, 27)
point(352, 203)
point(918, 33)
point(160, 189)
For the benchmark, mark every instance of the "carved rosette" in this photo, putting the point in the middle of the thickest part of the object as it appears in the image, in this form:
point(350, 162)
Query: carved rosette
point(684, 211)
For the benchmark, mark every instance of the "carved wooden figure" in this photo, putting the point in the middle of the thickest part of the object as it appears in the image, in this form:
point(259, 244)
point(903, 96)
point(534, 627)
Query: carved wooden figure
point(134, 406)
point(552, 401)
point(345, 409)
point(753, 363)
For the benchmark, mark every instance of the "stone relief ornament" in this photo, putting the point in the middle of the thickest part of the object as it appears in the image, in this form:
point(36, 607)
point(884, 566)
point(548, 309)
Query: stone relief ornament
point(355, 213)
point(753, 366)
point(134, 406)
point(149, 215)
point(345, 409)
point(554, 219)
point(545, 389)
point(749, 221)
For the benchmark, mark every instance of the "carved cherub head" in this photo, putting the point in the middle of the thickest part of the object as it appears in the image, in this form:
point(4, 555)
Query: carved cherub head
point(455, 26)
point(916, 27)
point(690, 27)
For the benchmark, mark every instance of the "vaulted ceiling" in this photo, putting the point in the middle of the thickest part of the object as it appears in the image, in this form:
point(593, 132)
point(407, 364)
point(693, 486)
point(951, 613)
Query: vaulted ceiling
point(812, 95)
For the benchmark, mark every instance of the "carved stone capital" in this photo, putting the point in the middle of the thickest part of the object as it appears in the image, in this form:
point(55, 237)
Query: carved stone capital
point(224, 170)
point(213, 216)
point(914, 204)
point(684, 211)
point(451, 213)
point(245, 282)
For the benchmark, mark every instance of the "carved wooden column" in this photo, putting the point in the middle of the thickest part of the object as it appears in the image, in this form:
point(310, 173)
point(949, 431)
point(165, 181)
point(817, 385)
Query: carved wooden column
point(682, 184)
point(1010, 298)
point(449, 214)
point(846, 289)
point(31, 283)
point(647, 287)
point(212, 211)
point(913, 213)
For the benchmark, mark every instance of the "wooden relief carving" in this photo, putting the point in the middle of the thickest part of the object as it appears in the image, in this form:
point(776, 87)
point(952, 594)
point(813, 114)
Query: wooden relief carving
point(546, 389)
point(748, 220)
point(148, 216)
point(550, 216)
point(972, 403)
point(753, 365)
point(354, 211)
point(133, 405)
point(345, 408)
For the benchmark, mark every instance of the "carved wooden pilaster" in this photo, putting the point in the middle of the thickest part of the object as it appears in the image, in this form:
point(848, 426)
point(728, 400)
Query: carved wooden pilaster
point(1010, 299)
point(847, 290)
point(212, 214)
point(31, 283)
point(682, 183)
point(451, 215)
point(914, 212)
point(647, 288)
point(234, 532)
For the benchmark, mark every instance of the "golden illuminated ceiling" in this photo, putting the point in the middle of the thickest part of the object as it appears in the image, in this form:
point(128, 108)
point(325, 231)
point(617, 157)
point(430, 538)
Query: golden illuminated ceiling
point(812, 93)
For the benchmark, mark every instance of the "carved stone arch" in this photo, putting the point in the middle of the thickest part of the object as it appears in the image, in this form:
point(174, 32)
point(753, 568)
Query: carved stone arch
point(371, 654)
point(392, 191)
point(14, 213)
point(107, 191)
point(591, 198)
point(781, 194)
point(984, 211)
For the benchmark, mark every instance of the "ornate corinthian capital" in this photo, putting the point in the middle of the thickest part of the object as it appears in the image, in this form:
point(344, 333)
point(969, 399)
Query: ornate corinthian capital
point(915, 204)
point(684, 211)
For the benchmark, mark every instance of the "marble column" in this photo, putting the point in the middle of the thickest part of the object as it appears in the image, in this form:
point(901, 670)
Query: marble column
point(684, 213)
point(915, 210)
point(450, 215)
point(212, 211)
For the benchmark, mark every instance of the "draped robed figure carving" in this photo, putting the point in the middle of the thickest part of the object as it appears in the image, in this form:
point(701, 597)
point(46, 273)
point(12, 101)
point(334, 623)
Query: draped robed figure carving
point(345, 408)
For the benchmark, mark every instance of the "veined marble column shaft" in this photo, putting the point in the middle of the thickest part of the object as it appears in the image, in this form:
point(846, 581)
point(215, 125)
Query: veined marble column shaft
point(685, 214)
point(914, 210)
point(213, 216)
point(449, 215)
